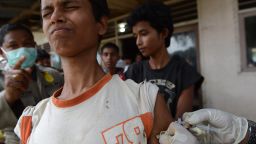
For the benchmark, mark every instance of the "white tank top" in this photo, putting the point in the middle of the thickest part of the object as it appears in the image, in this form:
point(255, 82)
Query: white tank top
point(113, 111)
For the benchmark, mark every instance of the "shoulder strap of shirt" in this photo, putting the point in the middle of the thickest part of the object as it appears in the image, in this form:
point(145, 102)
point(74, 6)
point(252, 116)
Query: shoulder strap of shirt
point(26, 127)
point(26, 122)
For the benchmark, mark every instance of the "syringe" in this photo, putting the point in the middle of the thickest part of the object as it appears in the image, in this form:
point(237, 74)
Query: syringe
point(205, 128)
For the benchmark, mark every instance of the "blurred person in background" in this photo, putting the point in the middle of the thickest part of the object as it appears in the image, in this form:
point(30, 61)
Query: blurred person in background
point(43, 58)
point(23, 82)
point(110, 55)
point(128, 62)
point(120, 63)
point(56, 62)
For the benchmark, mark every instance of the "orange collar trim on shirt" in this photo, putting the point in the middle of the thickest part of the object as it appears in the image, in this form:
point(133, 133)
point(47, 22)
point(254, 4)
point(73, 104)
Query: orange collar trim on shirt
point(86, 95)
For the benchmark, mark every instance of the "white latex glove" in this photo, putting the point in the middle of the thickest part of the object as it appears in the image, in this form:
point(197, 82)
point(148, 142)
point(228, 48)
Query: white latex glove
point(228, 128)
point(177, 134)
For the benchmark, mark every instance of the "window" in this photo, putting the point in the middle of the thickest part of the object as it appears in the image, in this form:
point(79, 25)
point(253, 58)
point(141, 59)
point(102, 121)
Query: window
point(248, 39)
point(247, 19)
point(184, 43)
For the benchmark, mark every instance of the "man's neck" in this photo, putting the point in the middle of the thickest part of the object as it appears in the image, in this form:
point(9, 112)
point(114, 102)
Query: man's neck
point(112, 70)
point(80, 76)
point(159, 60)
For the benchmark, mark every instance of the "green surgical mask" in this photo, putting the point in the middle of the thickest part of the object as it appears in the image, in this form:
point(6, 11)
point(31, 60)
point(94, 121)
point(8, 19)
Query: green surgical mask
point(14, 55)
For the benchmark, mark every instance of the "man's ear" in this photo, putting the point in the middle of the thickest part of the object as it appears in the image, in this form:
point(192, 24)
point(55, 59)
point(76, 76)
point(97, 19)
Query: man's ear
point(102, 25)
point(165, 33)
point(118, 57)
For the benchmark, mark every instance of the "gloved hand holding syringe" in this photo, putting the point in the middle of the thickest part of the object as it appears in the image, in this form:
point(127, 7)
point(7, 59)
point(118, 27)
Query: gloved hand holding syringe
point(207, 126)
point(178, 133)
point(201, 131)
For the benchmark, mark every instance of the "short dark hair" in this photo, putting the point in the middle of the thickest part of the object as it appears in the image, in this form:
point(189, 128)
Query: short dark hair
point(156, 14)
point(12, 27)
point(109, 45)
point(99, 8)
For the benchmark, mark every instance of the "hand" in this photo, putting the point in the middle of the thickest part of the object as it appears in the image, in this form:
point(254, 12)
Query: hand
point(16, 81)
point(177, 134)
point(228, 128)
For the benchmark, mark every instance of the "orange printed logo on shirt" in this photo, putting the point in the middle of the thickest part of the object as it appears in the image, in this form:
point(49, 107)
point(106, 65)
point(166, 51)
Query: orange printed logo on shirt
point(127, 132)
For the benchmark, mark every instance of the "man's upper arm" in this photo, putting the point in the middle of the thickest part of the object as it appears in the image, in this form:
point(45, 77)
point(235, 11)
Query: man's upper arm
point(162, 118)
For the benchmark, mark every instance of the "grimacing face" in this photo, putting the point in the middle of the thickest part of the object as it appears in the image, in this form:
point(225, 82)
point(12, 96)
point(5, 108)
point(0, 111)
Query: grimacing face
point(70, 26)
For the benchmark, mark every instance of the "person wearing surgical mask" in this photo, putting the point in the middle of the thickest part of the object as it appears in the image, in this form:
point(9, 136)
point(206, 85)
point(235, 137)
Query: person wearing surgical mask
point(24, 82)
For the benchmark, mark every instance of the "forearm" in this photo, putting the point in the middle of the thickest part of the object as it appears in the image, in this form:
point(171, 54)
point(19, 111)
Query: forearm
point(246, 139)
point(185, 102)
point(162, 119)
point(186, 107)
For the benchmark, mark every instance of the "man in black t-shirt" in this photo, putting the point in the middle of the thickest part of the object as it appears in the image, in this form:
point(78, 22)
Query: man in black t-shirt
point(152, 26)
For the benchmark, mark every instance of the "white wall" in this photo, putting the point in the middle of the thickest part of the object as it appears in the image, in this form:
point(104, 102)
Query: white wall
point(39, 37)
point(226, 87)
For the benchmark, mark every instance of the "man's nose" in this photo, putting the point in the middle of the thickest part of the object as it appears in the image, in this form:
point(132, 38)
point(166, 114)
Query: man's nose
point(57, 16)
point(138, 41)
point(109, 57)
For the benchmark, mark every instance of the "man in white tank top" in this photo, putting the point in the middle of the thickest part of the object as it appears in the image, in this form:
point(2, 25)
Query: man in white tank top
point(92, 107)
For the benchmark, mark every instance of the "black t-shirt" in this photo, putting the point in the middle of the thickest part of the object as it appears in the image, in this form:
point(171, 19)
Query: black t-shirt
point(176, 76)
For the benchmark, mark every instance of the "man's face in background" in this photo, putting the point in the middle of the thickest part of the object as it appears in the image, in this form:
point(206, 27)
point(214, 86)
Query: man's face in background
point(109, 57)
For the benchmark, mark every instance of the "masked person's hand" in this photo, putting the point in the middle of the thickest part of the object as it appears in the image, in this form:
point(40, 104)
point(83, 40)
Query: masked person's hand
point(177, 134)
point(228, 128)
point(16, 81)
